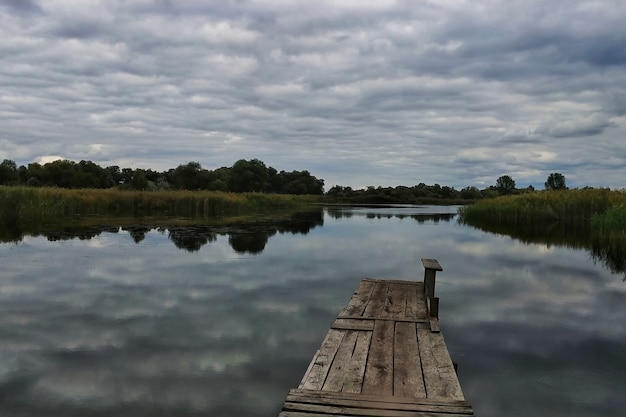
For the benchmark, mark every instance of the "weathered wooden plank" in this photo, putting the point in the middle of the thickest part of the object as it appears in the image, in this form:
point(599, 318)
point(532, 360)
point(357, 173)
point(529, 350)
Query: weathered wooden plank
point(422, 311)
point(300, 414)
point(440, 378)
point(353, 324)
point(431, 264)
point(382, 357)
point(379, 369)
point(307, 414)
point(416, 304)
point(359, 299)
point(336, 376)
point(420, 320)
point(376, 398)
point(318, 372)
point(381, 405)
point(434, 325)
point(377, 300)
point(360, 411)
point(407, 370)
point(356, 369)
point(397, 299)
point(399, 281)
point(411, 302)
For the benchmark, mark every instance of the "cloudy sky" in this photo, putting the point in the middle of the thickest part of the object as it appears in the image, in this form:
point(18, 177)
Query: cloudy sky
point(358, 92)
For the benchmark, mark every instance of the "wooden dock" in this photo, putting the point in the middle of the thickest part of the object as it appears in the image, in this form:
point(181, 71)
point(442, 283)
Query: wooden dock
point(383, 356)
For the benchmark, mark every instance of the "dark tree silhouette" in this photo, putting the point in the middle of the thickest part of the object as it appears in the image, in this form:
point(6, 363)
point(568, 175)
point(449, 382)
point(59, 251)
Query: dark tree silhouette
point(505, 185)
point(555, 181)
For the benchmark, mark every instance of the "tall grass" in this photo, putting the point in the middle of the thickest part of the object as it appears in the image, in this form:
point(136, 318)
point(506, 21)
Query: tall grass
point(19, 204)
point(566, 206)
point(594, 219)
point(612, 220)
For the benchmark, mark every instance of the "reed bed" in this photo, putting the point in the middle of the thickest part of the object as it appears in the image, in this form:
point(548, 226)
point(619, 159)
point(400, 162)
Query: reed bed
point(581, 206)
point(612, 220)
point(19, 204)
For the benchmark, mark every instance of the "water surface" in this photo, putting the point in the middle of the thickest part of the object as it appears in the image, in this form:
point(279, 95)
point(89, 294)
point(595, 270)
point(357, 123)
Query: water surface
point(223, 321)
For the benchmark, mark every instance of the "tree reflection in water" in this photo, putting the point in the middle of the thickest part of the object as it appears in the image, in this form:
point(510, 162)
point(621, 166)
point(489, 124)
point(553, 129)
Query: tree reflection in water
point(250, 242)
point(252, 235)
point(341, 212)
point(244, 236)
point(138, 233)
point(608, 249)
point(611, 252)
point(191, 238)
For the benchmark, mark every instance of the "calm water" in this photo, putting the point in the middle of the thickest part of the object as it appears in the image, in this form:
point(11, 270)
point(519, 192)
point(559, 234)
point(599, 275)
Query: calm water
point(224, 321)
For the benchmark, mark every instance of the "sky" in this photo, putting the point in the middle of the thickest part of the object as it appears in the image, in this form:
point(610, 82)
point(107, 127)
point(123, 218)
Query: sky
point(358, 92)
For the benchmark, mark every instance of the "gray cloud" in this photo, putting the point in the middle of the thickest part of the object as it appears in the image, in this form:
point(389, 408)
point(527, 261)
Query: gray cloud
point(20, 6)
point(592, 125)
point(359, 93)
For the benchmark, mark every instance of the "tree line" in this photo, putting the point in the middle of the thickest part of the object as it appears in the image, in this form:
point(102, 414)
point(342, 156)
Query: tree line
point(244, 176)
point(423, 193)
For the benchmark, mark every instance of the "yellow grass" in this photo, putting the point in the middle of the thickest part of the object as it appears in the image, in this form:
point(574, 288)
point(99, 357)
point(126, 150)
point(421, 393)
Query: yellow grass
point(26, 203)
point(568, 206)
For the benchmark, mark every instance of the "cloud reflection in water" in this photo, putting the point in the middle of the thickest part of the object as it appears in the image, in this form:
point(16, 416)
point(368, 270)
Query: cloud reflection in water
point(109, 326)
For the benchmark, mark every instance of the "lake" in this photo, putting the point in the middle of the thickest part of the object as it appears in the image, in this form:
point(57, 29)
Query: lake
point(147, 320)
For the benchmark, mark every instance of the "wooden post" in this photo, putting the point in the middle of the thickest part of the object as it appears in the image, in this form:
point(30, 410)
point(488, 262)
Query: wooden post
point(431, 266)
point(433, 306)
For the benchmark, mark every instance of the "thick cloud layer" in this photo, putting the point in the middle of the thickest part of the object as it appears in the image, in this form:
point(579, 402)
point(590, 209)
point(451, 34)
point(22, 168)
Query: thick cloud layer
point(357, 92)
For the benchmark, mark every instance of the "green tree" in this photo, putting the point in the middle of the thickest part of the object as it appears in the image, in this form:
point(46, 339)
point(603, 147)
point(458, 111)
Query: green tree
point(296, 182)
point(90, 175)
point(34, 173)
point(59, 173)
point(190, 176)
point(114, 175)
point(247, 176)
point(139, 180)
point(555, 181)
point(126, 176)
point(340, 191)
point(8, 172)
point(471, 193)
point(505, 185)
point(219, 179)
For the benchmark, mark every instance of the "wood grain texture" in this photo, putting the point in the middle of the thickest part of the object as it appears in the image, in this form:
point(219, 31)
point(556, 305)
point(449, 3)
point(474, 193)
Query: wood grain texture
point(356, 305)
point(338, 369)
point(379, 369)
point(440, 377)
point(411, 311)
point(377, 398)
point(334, 410)
point(396, 297)
point(353, 324)
point(377, 300)
point(383, 356)
point(431, 264)
point(318, 372)
point(407, 369)
point(355, 373)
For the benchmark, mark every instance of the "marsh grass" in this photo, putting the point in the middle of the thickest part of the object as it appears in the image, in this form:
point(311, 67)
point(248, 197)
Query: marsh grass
point(27, 204)
point(591, 219)
point(570, 207)
point(612, 220)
